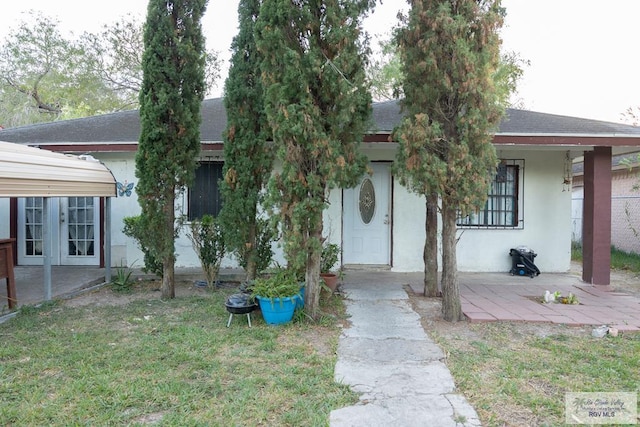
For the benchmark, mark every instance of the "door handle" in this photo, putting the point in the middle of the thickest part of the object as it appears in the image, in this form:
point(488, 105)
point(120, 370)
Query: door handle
point(386, 219)
point(61, 217)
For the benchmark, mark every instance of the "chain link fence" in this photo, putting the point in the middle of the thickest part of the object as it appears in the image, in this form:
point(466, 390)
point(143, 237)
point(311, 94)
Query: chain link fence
point(625, 222)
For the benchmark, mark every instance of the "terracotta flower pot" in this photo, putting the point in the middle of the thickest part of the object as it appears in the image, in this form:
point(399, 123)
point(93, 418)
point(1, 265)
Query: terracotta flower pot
point(331, 280)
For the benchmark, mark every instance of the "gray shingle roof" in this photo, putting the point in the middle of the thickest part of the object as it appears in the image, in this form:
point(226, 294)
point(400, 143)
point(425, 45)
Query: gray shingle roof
point(123, 127)
point(531, 122)
point(117, 127)
point(519, 122)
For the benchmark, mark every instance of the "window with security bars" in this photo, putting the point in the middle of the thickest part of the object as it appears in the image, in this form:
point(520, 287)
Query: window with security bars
point(204, 194)
point(501, 208)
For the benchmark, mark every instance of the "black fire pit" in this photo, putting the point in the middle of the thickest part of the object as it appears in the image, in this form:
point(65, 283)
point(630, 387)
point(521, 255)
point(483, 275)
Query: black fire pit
point(240, 304)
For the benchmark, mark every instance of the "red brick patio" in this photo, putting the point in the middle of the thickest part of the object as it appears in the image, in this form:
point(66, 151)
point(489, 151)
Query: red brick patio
point(492, 297)
point(521, 302)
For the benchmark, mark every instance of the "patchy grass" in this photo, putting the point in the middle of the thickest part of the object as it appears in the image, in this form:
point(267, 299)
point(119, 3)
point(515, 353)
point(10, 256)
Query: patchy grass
point(167, 362)
point(622, 260)
point(576, 251)
point(518, 374)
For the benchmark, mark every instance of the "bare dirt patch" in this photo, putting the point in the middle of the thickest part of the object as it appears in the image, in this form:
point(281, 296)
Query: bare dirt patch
point(626, 282)
point(142, 289)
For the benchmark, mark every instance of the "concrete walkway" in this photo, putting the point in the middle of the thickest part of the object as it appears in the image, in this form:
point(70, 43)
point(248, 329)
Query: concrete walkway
point(386, 356)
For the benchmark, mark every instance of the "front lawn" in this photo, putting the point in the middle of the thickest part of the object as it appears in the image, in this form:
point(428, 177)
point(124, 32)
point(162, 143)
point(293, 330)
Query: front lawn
point(167, 363)
point(517, 374)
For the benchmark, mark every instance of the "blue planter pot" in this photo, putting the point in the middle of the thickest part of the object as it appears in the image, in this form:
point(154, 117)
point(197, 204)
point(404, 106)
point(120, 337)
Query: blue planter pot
point(300, 298)
point(277, 311)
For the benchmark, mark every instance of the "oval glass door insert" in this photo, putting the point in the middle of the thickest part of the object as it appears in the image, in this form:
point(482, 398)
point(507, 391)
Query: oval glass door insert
point(367, 201)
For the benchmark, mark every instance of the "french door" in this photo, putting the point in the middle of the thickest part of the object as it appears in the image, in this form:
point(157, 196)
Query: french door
point(74, 230)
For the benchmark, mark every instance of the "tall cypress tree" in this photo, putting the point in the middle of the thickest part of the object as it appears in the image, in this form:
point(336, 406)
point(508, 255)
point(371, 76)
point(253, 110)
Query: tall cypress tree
point(248, 161)
point(172, 91)
point(317, 103)
point(450, 53)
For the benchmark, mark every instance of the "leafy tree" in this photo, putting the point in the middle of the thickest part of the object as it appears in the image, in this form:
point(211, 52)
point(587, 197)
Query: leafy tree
point(172, 92)
point(632, 116)
point(248, 159)
point(507, 76)
point(385, 72)
point(44, 77)
point(115, 56)
point(450, 54)
point(317, 103)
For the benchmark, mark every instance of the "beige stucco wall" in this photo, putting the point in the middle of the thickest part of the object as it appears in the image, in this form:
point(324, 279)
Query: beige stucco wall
point(546, 213)
point(546, 227)
point(544, 230)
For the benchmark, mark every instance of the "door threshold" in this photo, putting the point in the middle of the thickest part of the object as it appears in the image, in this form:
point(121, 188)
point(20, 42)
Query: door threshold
point(366, 267)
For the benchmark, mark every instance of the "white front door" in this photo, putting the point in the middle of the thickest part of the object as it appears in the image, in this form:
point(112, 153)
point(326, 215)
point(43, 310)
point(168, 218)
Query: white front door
point(74, 229)
point(367, 219)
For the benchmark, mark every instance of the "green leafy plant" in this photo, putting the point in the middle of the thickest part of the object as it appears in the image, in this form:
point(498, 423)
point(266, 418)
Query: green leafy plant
point(122, 282)
point(329, 257)
point(282, 283)
point(570, 299)
point(207, 237)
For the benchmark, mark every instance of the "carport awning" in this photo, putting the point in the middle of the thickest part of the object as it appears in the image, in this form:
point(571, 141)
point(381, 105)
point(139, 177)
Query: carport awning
point(28, 171)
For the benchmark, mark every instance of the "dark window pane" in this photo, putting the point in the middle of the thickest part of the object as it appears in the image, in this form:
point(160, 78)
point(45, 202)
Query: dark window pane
point(204, 195)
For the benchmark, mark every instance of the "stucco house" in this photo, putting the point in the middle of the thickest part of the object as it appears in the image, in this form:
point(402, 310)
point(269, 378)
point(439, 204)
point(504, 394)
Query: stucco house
point(378, 223)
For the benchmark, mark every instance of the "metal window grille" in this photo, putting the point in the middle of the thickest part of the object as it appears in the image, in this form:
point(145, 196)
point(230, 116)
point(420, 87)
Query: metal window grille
point(501, 208)
point(204, 195)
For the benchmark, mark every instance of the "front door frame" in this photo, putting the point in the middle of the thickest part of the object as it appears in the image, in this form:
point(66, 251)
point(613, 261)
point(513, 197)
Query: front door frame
point(390, 195)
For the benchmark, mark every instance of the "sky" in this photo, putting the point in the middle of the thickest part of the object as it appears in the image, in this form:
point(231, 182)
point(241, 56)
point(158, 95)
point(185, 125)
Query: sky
point(583, 53)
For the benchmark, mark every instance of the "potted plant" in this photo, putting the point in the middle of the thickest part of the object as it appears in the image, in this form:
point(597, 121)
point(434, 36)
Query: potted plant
point(328, 259)
point(277, 296)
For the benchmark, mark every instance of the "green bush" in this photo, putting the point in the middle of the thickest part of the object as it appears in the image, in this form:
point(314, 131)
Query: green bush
point(207, 237)
point(133, 228)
